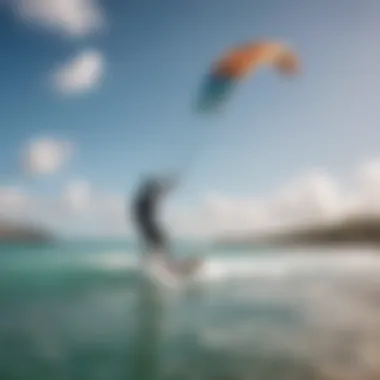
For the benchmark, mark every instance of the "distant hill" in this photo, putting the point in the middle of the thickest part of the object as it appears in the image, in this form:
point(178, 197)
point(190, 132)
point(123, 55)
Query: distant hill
point(14, 232)
point(352, 230)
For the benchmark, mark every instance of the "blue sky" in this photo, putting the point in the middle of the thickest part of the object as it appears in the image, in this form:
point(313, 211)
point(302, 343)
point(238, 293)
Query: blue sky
point(139, 118)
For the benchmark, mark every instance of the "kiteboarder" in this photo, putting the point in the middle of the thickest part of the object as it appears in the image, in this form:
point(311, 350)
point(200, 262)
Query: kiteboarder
point(145, 210)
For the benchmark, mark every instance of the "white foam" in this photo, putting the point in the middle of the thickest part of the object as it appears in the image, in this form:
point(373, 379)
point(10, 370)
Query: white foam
point(272, 265)
point(279, 265)
point(116, 260)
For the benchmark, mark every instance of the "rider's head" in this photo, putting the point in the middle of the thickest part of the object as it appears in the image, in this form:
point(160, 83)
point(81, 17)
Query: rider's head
point(151, 185)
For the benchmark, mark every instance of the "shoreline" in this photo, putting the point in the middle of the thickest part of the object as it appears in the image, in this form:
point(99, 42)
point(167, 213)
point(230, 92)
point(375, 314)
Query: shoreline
point(359, 231)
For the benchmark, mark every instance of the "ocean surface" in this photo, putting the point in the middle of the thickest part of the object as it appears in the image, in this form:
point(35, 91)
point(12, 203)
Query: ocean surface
point(82, 310)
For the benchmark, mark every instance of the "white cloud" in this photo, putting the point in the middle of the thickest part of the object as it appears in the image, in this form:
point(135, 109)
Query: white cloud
point(368, 189)
point(12, 200)
point(79, 74)
point(75, 18)
point(78, 210)
point(92, 211)
point(77, 195)
point(313, 198)
point(45, 156)
point(225, 214)
point(114, 216)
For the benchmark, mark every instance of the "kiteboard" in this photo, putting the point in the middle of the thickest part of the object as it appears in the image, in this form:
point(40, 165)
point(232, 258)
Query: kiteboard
point(172, 272)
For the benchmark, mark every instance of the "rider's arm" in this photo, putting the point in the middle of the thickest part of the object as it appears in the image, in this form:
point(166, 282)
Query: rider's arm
point(168, 184)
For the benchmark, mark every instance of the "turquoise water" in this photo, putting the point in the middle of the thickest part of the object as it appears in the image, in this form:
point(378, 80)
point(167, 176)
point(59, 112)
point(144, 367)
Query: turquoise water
point(80, 310)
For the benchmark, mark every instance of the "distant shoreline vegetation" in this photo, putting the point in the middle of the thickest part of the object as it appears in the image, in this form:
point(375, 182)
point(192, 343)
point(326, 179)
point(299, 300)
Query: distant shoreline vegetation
point(358, 230)
point(12, 232)
point(355, 230)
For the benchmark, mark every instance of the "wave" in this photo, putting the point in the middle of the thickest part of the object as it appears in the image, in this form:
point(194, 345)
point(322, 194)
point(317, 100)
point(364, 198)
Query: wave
point(289, 264)
point(124, 266)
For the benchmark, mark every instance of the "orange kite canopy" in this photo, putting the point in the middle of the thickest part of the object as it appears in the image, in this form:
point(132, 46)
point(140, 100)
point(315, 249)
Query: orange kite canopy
point(240, 62)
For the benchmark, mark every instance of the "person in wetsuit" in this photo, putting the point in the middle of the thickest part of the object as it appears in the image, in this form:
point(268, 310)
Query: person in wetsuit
point(145, 210)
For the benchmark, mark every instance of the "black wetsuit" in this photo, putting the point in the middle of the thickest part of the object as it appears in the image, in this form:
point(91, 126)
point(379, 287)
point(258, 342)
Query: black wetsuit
point(145, 210)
